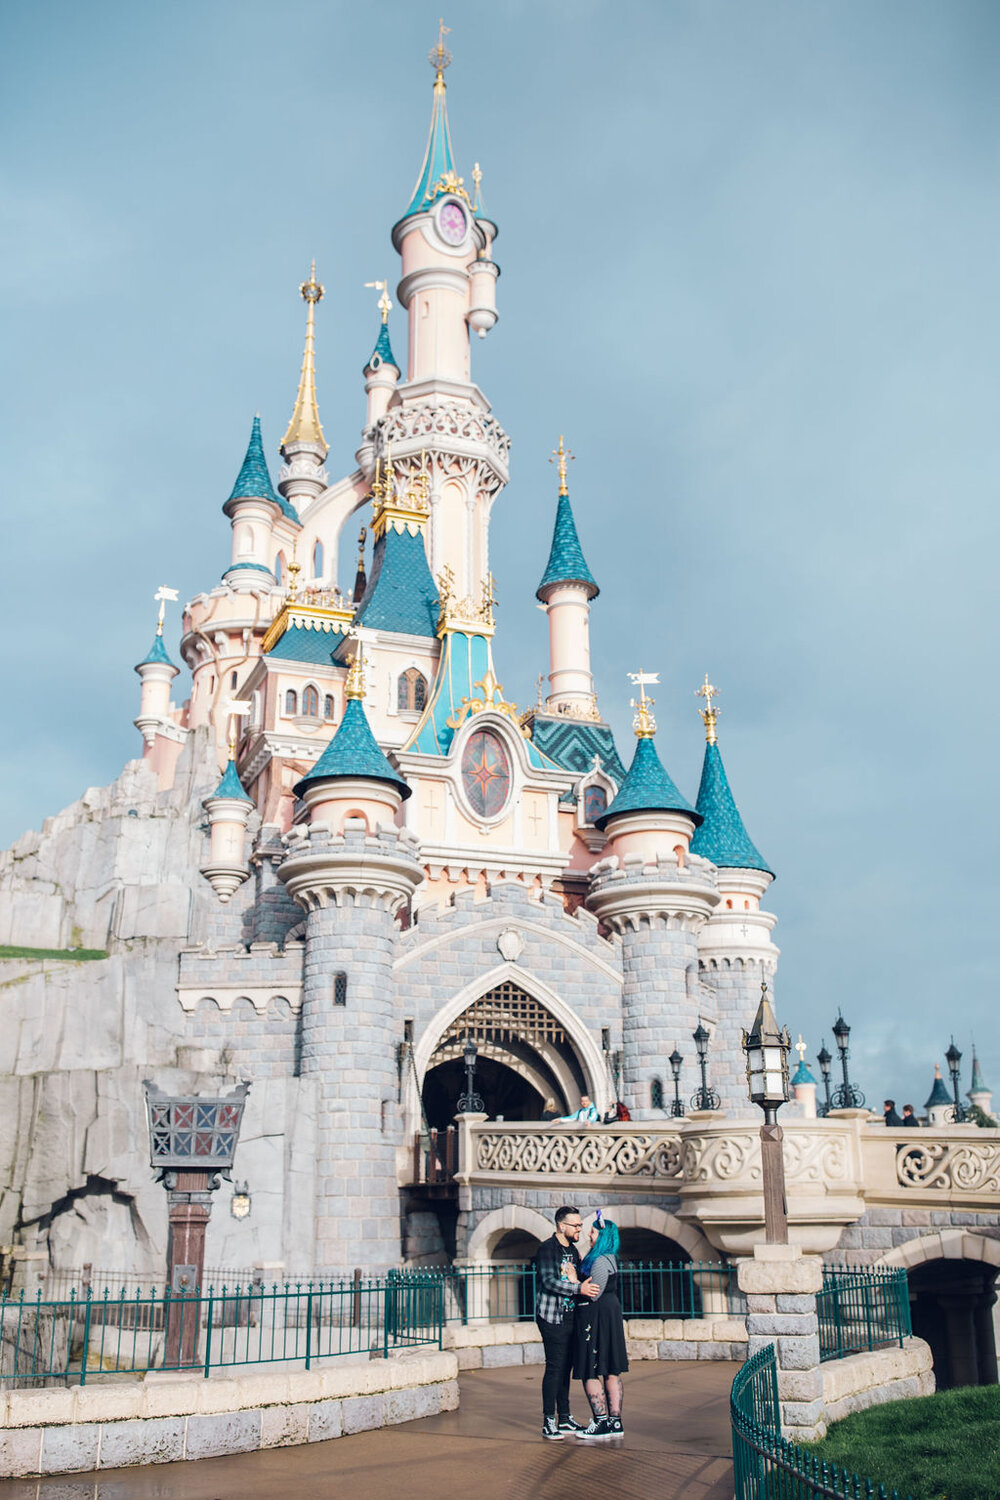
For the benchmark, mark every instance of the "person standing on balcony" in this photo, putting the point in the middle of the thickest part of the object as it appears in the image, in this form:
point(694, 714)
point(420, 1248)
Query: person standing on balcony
point(909, 1118)
point(587, 1114)
point(600, 1358)
point(891, 1117)
point(558, 1286)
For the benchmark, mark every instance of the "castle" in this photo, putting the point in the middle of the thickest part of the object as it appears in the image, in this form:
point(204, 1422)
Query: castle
point(394, 858)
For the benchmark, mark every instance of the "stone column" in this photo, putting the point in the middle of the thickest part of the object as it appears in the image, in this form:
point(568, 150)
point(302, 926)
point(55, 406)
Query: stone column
point(780, 1285)
point(352, 887)
point(658, 908)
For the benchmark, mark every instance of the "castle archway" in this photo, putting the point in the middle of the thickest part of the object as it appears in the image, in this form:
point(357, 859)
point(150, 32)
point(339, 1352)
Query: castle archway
point(952, 1285)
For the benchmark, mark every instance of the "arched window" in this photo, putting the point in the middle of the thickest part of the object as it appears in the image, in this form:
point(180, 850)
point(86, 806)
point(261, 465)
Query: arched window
point(279, 568)
point(318, 560)
point(233, 680)
point(595, 803)
point(328, 707)
point(411, 691)
point(291, 702)
point(656, 1093)
point(310, 702)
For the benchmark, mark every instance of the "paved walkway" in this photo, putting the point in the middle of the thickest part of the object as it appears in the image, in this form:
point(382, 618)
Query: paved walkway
point(676, 1447)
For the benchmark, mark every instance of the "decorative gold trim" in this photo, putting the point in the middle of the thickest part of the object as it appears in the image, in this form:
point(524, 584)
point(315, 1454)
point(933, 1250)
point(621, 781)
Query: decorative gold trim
point(305, 426)
point(465, 614)
point(644, 723)
point(559, 458)
point(709, 714)
point(491, 699)
point(329, 611)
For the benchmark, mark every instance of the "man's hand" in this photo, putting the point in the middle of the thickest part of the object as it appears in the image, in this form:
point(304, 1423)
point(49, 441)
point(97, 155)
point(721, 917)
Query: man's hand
point(589, 1288)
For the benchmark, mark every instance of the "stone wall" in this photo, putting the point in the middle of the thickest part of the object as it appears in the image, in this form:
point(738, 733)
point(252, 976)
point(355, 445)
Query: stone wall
point(863, 1380)
point(881, 1230)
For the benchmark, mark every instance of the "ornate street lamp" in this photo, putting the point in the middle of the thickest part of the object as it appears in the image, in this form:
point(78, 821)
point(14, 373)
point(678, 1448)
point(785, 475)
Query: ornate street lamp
point(192, 1143)
point(703, 1098)
point(675, 1060)
point(824, 1059)
point(958, 1113)
point(470, 1102)
point(767, 1051)
point(845, 1096)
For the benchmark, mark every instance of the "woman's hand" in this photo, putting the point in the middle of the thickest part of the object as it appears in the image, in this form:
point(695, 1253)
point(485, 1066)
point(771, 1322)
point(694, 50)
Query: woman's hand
point(569, 1273)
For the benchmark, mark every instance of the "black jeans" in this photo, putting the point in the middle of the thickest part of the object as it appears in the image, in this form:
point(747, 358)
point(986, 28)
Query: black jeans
point(557, 1341)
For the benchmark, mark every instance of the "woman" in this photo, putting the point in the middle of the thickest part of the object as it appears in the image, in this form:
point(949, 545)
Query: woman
point(600, 1357)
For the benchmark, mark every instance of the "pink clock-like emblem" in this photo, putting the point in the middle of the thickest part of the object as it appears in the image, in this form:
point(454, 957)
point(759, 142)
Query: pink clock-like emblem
point(452, 223)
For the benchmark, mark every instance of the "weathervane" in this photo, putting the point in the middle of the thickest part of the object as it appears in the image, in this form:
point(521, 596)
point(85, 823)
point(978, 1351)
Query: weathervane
point(709, 713)
point(644, 723)
point(559, 458)
point(163, 596)
point(439, 57)
point(801, 1049)
point(384, 305)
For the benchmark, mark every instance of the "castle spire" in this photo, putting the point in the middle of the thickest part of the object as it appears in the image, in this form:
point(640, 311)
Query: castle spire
point(305, 425)
point(648, 787)
point(722, 837)
point(566, 563)
point(437, 173)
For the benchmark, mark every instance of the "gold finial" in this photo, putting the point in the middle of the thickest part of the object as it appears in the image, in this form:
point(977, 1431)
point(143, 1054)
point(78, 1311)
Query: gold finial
point(305, 426)
point(439, 57)
point(539, 700)
point(477, 181)
point(559, 457)
point(163, 596)
point(644, 723)
point(235, 708)
point(362, 538)
point(709, 713)
point(801, 1049)
point(384, 305)
point(294, 569)
point(355, 684)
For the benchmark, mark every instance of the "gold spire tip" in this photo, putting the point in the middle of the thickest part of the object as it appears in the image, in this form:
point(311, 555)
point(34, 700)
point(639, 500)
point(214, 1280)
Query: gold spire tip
point(384, 305)
point(560, 457)
point(709, 713)
point(355, 684)
point(439, 57)
point(644, 724)
point(305, 426)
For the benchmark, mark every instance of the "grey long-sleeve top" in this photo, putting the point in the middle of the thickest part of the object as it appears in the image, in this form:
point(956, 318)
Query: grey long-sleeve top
point(603, 1267)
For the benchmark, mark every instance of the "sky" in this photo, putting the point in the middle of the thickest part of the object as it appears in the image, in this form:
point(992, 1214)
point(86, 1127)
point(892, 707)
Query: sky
point(748, 254)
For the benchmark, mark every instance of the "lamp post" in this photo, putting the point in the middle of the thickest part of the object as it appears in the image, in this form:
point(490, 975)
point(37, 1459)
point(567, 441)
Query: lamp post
point(703, 1098)
point(767, 1051)
point(192, 1143)
point(824, 1059)
point(675, 1060)
point(470, 1102)
point(959, 1113)
point(845, 1096)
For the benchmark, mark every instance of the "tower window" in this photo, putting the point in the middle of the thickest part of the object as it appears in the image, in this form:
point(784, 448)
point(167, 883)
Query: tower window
point(233, 680)
point(310, 702)
point(328, 707)
point(291, 702)
point(340, 989)
point(595, 803)
point(656, 1093)
point(411, 691)
point(318, 560)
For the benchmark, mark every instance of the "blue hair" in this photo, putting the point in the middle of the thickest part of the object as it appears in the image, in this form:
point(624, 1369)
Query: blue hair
point(605, 1244)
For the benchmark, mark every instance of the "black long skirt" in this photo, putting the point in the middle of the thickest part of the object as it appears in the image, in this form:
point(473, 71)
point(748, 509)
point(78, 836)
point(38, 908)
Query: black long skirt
point(600, 1339)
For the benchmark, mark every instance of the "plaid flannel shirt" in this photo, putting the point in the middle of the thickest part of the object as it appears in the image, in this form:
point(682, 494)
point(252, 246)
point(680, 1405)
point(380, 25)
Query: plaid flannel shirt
point(554, 1295)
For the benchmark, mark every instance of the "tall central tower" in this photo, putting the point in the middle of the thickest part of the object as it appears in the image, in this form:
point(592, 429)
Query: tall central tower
point(438, 416)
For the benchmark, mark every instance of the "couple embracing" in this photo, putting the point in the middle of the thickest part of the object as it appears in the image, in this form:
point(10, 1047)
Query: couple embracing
point(579, 1317)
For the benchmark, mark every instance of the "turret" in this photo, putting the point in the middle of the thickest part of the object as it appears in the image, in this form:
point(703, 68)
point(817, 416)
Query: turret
point(735, 951)
point(382, 371)
point(804, 1084)
point(303, 447)
point(979, 1095)
point(939, 1105)
point(650, 817)
point(229, 810)
point(566, 589)
point(252, 508)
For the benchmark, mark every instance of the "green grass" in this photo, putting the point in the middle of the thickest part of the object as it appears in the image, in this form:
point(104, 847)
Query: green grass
point(72, 955)
point(943, 1447)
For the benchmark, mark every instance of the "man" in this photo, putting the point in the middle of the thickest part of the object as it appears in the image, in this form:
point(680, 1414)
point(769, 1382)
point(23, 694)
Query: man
point(557, 1289)
point(909, 1118)
point(587, 1114)
point(891, 1117)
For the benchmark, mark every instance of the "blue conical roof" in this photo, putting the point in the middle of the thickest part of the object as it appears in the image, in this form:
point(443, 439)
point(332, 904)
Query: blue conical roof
point(382, 353)
point(939, 1094)
point(439, 161)
point(254, 479)
point(567, 563)
point(353, 751)
point(647, 788)
point(400, 594)
point(231, 786)
point(802, 1073)
point(977, 1086)
point(722, 837)
point(157, 653)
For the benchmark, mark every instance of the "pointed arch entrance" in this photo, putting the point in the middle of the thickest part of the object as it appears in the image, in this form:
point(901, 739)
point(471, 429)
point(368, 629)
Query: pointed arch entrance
point(532, 1052)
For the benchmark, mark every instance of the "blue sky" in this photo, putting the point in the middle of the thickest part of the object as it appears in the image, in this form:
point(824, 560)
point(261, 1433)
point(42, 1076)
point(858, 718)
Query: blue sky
point(749, 268)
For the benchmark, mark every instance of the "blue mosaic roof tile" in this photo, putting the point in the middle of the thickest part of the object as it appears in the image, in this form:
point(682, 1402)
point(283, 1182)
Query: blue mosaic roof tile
point(939, 1094)
point(353, 751)
point(573, 743)
point(647, 788)
point(722, 837)
point(401, 594)
point(231, 785)
point(300, 644)
point(156, 653)
point(567, 563)
point(253, 482)
point(802, 1074)
point(382, 353)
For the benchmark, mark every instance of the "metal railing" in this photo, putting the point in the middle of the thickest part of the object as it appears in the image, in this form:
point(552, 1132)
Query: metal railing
point(647, 1289)
point(862, 1309)
point(68, 1340)
point(767, 1466)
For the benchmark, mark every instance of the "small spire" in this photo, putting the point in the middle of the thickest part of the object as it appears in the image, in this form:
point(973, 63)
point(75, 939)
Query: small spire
point(644, 723)
point(305, 426)
point(709, 713)
point(384, 304)
point(294, 569)
point(478, 206)
point(439, 57)
point(566, 563)
point(360, 577)
point(253, 482)
point(559, 457)
point(437, 173)
point(163, 596)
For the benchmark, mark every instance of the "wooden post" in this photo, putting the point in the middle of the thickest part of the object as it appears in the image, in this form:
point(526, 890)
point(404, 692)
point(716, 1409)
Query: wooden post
point(772, 1163)
point(189, 1204)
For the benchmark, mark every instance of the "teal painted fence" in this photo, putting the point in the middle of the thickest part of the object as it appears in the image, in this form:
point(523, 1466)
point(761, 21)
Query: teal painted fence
point(862, 1309)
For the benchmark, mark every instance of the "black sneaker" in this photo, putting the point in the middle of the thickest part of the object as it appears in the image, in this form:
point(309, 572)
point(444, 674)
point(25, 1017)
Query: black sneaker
point(570, 1424)
point(550, 1430)
point(615, 1423)
point(599, 1428)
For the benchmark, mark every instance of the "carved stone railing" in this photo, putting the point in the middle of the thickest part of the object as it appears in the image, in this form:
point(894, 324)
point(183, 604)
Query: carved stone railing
point(602, 1151)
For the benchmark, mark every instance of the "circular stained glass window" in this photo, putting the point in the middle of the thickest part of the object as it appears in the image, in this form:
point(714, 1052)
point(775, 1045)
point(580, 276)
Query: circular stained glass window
point(486, 773)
